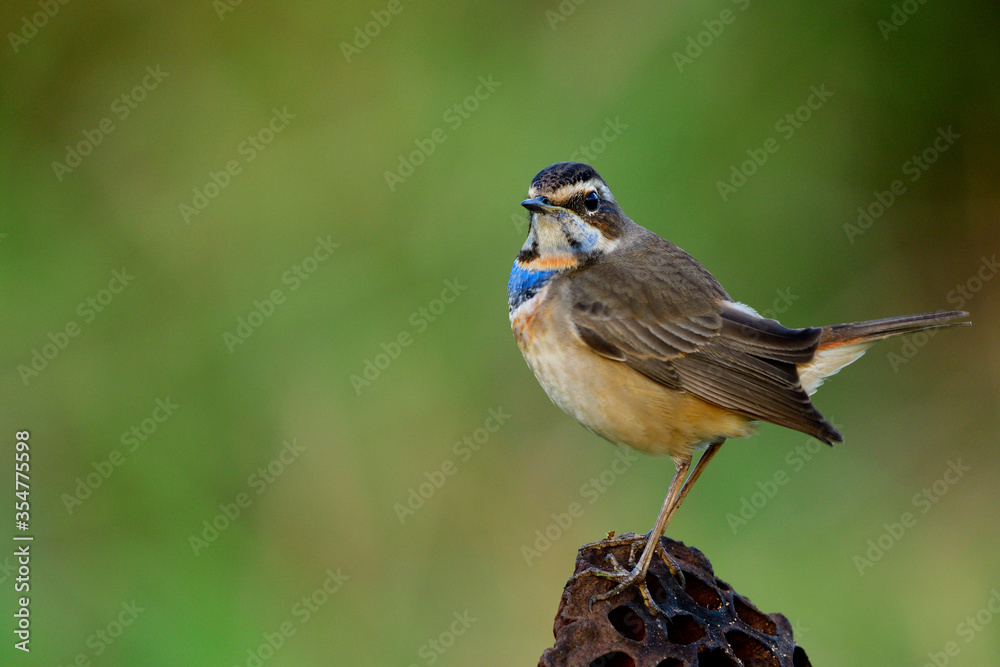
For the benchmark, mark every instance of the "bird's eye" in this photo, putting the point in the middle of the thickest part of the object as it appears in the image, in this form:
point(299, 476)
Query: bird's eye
point(592, 201)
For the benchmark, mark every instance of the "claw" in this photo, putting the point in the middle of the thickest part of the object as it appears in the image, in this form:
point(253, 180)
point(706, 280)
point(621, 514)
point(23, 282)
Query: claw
point(631, 552)
point(672, 565)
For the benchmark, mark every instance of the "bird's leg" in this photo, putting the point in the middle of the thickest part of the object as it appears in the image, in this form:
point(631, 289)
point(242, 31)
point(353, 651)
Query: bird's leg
point(654, 537)
point(626, 578)
point(695, 474)
point(679, 488)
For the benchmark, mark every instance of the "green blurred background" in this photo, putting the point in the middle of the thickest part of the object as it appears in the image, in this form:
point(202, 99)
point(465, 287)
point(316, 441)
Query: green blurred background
point(601, 75)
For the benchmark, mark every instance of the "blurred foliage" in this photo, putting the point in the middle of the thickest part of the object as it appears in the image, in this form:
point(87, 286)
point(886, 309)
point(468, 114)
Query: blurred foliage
point(352, 114)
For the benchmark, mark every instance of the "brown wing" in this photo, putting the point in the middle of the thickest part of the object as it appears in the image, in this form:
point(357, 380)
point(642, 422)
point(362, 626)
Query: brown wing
point(675, 324)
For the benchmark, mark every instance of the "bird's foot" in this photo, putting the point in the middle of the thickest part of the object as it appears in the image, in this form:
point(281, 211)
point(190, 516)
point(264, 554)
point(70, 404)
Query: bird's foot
point(636, 542)
point(625, 577)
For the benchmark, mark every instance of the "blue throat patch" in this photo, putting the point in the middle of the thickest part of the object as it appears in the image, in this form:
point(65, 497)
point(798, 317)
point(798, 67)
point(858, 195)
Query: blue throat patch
point(524, 284)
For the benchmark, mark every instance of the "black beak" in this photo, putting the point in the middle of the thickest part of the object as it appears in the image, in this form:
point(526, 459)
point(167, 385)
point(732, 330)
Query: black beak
point(538, 205)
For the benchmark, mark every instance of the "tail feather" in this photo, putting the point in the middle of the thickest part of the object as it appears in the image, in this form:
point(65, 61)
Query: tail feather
point(873, 330)
point(841, 344)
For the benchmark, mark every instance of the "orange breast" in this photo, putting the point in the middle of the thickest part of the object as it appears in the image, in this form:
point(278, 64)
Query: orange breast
point(610, 398)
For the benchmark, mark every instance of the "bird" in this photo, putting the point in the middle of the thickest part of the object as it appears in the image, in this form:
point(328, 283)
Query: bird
point(637, 341)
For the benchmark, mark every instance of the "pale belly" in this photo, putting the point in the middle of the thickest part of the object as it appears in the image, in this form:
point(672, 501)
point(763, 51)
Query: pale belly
point(611, 399)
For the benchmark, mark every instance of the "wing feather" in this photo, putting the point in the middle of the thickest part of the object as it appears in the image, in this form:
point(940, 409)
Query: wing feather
point(676, 325)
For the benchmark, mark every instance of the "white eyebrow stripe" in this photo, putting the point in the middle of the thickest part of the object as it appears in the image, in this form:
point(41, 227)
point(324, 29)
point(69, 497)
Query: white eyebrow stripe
point(567, 191)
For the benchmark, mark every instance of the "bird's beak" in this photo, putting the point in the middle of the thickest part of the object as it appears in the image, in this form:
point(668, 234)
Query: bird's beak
point(538, 205)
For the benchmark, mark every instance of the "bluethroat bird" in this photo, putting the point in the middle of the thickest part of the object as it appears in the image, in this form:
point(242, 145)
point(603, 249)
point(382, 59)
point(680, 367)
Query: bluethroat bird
point(638, 342)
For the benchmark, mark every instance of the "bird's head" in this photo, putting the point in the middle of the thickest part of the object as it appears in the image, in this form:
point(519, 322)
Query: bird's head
point(574, 217)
